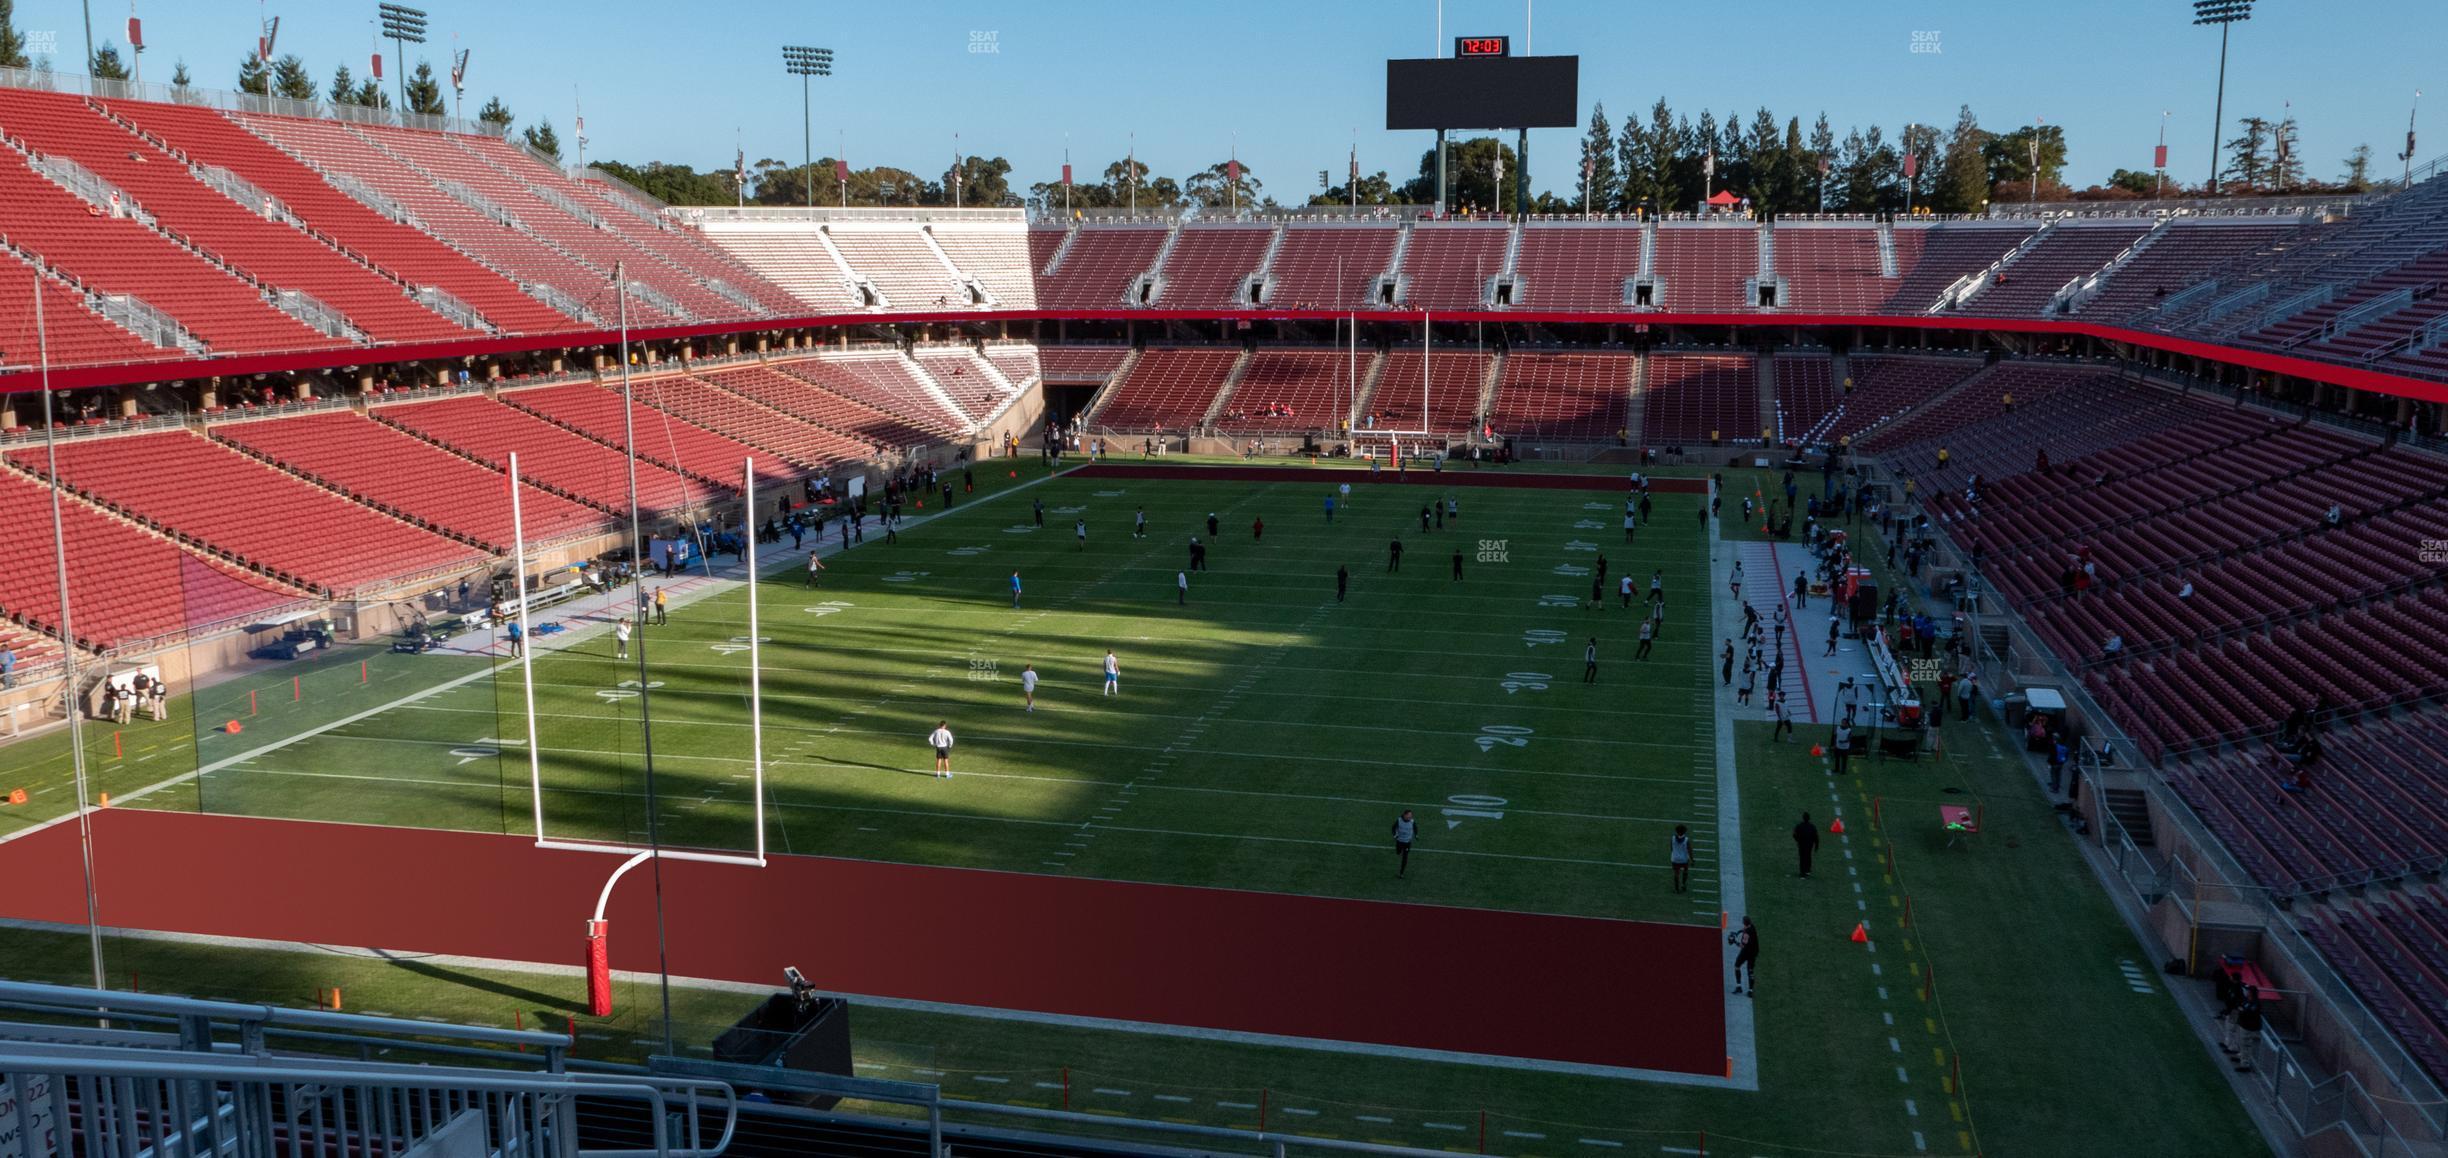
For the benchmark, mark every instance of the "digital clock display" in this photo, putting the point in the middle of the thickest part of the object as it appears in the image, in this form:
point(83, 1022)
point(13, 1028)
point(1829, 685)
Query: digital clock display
point(1483, 46)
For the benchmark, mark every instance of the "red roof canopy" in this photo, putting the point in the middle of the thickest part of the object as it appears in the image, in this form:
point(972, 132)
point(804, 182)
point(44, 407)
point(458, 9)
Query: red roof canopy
point(1723, 197)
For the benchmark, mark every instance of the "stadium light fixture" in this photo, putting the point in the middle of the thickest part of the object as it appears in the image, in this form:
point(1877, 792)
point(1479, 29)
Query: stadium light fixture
point(402, 26)
point(804, 62)
point(2221, 13)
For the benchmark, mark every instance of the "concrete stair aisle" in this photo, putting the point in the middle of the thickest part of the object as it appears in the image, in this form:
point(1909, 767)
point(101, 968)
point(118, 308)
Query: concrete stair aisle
point(1232, 378)
point(1104, 394)
point(1637, 389)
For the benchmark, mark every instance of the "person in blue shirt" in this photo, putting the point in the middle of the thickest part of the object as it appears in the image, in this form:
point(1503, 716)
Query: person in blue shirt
point(518, 639)
point(1015, 589)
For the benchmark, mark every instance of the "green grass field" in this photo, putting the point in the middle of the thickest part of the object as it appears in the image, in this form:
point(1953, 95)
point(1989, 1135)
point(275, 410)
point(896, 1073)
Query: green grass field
point(1265, 737)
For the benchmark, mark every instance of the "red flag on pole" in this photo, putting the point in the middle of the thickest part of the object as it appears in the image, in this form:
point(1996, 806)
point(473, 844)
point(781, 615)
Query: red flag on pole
point(378, 66)
point(1232, 171)
point(2159, 157)
point(135, 34)
point(1066, 172)
point(1912, 164)
point(841, 169)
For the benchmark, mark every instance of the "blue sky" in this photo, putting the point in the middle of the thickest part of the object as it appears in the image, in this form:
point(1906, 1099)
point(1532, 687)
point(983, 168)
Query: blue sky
point(1288, 81)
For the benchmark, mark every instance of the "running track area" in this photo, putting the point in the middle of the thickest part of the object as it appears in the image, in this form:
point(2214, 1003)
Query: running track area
point(1416, 476)
point(1570, 991)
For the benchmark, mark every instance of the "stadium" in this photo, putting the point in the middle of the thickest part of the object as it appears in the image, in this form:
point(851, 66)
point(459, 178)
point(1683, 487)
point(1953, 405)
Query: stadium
point(1704, 637)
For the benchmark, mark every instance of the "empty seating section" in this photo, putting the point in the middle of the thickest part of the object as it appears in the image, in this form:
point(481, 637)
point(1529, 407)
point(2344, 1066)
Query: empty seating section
point(1452, 398)
point(1702, 268)
point(215, 496)
point(2392, 949)
point(1576, 267)
point(967, 378)
point(2095, 414)
point(127, 588)
point(1081, 364)
point(1166, 389)
point(1831, 269)
point(792, 256)
point(685, 253)
point(578, 467)
point(274, 253)
point(1992, 392)
point(675, 442)
point(38, 655)
point(338, 149)
point(1447, 267)
point(2026, 285)
point(407, 476)
point(1289, 390)
point(898, 262)
point(1045, 242)
point(821, 393)
point(2325, 329)
point(120, 255)
point(443, 157)
point(887, 382)
point(1940, 255)
point(75, 335)
point(778, 438)
point(1570, 396)
point(2375, 811)
point(1330, 266)
point(1806, 395)
point(997, 256)
point(1210, 264)
point(1098, 271)
point(1018, 362)
point(2177, 259)
point(1882, 387)
point(1696, 398)
point(207, 137)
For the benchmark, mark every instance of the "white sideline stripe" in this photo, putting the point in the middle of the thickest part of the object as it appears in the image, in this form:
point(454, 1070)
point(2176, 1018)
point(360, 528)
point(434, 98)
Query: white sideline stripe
point(1619, 1146)
point(990, 1080)
point(1444, 1126)
point(1373, 1118)
point(1251, 1106)
point(1524, 1134)
point(1112, 1093)
point(1302, 1113)
point(1170, 1098)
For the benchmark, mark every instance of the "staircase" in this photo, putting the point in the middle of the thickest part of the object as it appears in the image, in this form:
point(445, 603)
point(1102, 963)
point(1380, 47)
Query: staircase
point(1764, 274)
point(960, 418)
point(2076, 294)
point(1232, 378)
point(1368, 388)
point(2131, 807)
point(1513, 247)
point(1260, 278)
point(973, 291)
point(1060, 252)
point(1638, 386)
point(1971, 284)
point(1488, 379)
point(1394, 264)
point(1886, 249)
point(1148, 287)
point(1770, 418)
point(861, 290)
point(1104, 393)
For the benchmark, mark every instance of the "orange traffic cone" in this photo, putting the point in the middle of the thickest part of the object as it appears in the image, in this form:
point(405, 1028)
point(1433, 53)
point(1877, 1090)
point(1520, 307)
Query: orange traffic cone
point(1014, 474)
point(1816, 750)
point(1836, 827)
point(232, 728)
point(1861, 933)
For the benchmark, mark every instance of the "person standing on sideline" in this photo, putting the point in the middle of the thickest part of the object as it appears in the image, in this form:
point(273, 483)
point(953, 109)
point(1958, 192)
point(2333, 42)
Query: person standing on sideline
point(941, 738)
point(1423, 520)
point(1623, 587)
point(1736, 585)
point(1406, 830)
point(1750, 681)
point(1457, 562)
point(1806, 842)
point(1330, 508)
point(1589, 662)
point(1801, 590)
point(1597, 592)
point(1628, 520)
point(1113, 674)
point(1784, 719)
point(1966, 691)
point(1015, 589)
point(1081, 529)
point(1678, 857)
point(844, 524)
point(8, 666)
point(1394, 556)
point(1840, 748)
point(1729, 663)
point(518, 640)
point(620, 639)
point(1342, 582)
point(1258, 529)
point(1040, 508)
point(662, 607)
point(1835, 632)
point(1657, 586)
point(1139, 525)
point(815, 572)
point(1181, 587)
point(1746, 955)
point(1028, 686)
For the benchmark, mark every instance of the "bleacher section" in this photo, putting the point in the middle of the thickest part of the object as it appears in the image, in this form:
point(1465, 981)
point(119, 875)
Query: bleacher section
point(1166, 389)
point(2070, 250)
point(2393, 947)
point(1081, 365)
point(226, 502)
point(2178, 259)
point(997, 256)
point(887, 382)
point(1564, 396)
point(415, 480)
point(130, 588)
point(1313, 385)
point(1448, 267)
point(1453, 381)
point(1832, 269)
point(1330, 266)
point(1098, 272)
point(1933, 257)
point(1806, 393)
point(1693, 399)
point(1883, 387)
point(1577, 267)
point(899, 263)
point(1209, 265)
point(968, 378)
point(75, 335)
point(573, 465)
point(791, 255)
point(662, 436)
point(1703, 268)
point(815, 392)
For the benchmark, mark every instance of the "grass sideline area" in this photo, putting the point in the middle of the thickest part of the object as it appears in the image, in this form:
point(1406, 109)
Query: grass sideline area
point(1361, 708)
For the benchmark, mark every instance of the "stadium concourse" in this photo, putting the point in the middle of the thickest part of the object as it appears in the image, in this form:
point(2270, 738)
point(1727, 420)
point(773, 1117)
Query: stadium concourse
point(264, 373)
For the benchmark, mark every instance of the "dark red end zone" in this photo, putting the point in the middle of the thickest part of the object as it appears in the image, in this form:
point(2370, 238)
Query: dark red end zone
point(1557, 989)
point(1486, 476)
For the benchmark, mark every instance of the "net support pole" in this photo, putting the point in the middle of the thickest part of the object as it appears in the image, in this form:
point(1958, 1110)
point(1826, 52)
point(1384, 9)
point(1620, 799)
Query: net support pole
point(756, 686)
point(518, 575)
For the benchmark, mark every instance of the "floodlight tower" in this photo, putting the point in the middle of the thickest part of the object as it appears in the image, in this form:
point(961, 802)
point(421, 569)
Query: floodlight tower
point(804, 62)
point(403, 26)
point(2221, 13)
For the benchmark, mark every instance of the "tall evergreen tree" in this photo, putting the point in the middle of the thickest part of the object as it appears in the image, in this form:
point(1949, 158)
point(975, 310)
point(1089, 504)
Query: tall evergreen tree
point(2358, 170)
point(542, 139)
point(343, 89)
point(254, 77)
point(425, 93)
point(1963, 169)
point(12, 44)
point(2286, 156)
point(1921, 144)
point(1597, 184)
point(2248, 160)
point(107, 64)
point(373, 95)
point(178, 75)
point(290, 79)
point(496, 114)
point(1821, 166)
